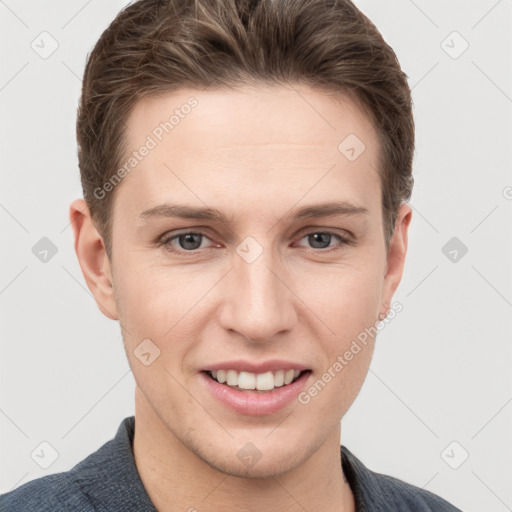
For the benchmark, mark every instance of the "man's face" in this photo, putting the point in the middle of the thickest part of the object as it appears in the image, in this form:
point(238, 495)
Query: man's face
point(261, 286)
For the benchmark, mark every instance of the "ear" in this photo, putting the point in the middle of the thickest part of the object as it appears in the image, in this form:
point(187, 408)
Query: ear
point(396, 256)
point(93, 259)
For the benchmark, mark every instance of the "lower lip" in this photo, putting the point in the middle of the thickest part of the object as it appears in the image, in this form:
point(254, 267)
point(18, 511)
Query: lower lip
point(252, 403)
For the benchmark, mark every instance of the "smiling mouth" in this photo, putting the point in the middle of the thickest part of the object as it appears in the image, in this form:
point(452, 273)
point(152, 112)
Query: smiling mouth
point(255, 382)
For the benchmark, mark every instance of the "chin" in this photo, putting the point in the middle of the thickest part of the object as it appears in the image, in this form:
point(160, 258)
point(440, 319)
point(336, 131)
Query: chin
point(249, 462)
point(260, 470)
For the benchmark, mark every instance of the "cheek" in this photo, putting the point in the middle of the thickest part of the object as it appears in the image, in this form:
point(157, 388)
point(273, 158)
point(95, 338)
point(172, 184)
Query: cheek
point(347, 298)
point(348, 304)
point(167, 306)
point(154, 298)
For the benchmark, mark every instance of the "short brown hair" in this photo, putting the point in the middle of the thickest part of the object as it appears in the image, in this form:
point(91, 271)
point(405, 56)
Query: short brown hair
point(157, 46)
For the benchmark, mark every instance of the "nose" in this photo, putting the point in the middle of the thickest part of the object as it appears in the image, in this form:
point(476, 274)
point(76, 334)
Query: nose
point(258, 299)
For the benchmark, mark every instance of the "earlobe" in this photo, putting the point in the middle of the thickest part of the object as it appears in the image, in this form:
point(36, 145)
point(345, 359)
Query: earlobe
point(92, 257)
point(396, 255)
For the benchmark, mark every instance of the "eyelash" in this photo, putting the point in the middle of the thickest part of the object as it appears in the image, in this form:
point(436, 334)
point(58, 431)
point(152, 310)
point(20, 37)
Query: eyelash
point(165, 241)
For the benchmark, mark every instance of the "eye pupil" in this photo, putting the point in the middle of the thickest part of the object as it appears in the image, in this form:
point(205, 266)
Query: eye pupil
point(320, 237)
point(192, 241)
point(188, 237)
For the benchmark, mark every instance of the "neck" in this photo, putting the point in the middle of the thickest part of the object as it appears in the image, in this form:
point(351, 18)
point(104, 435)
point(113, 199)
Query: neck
point(175, 478)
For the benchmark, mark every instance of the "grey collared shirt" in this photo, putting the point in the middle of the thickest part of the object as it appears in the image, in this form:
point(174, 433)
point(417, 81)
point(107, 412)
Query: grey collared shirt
point(108, 481)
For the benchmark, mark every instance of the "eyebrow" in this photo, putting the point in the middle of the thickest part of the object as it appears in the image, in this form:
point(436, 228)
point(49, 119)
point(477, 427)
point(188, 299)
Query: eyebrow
point(167, 210)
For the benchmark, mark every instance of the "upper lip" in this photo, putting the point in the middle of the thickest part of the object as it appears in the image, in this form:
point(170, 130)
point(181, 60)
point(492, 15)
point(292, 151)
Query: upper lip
point(254, 367)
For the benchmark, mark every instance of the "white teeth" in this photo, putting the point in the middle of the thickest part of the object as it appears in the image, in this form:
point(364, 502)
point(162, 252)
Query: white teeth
point(265, 381)
point(288, 376)
point(279, 378)
point(247, 380)
point(260, 382)
point(232, 378)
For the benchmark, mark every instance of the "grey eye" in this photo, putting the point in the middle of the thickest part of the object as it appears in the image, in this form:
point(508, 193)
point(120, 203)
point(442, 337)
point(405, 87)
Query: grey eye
point(187, 241)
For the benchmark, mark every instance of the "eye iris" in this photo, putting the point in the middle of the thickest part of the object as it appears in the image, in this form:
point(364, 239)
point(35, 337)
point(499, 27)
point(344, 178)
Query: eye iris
point(320, 237)
point(318, 240)
point(188, 237)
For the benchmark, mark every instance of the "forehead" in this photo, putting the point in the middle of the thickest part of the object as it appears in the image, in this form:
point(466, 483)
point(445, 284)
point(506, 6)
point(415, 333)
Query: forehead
point(254, 145)
point(248, 115)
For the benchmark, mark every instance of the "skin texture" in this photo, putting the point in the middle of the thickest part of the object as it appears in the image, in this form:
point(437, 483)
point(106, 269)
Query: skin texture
point(257, 155)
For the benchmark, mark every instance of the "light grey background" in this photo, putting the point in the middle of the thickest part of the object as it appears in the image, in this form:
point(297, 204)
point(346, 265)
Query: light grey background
point(441, 370)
